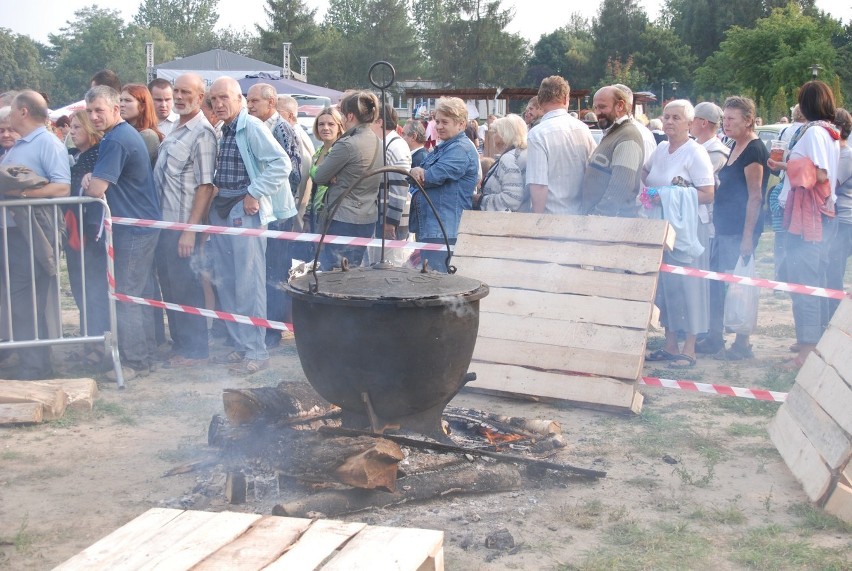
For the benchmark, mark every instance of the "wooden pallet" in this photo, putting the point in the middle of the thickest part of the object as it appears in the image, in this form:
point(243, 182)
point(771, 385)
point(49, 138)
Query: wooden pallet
point(570, 303)
point(180, 540)
point(813, 428)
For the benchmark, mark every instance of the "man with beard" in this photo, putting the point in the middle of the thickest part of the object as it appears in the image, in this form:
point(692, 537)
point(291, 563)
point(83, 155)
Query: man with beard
point(184, 179)
point(612, 178)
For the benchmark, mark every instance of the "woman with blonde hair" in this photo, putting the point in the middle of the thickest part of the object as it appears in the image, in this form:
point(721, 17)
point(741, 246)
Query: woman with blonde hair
point(503, 188)
point(357, 152)
point(328, 127)
point(449, 175)
point(85, 248)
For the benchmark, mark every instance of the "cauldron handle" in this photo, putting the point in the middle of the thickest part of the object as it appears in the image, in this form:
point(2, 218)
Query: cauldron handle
point(336, 204)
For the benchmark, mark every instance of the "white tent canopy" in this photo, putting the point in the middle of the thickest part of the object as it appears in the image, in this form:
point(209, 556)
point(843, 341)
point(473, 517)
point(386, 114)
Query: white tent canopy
point(68, 110)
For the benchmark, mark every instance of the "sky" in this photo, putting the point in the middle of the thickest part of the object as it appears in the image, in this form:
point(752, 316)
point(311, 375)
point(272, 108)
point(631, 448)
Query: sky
point(37, 18)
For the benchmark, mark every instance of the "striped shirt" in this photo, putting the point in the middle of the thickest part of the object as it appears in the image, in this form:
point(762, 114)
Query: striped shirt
point(399, 200)
point(283, 132)
point(186, 161)
point(231, 172)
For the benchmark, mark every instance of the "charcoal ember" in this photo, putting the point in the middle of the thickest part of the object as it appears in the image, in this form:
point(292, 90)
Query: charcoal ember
point(500, 539)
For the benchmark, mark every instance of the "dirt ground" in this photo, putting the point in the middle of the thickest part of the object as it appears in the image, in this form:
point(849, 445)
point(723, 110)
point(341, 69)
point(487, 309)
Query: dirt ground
point(693, 482)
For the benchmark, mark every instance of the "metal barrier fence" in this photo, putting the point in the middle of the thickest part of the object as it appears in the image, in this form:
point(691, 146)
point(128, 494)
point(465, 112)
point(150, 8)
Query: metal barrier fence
point(33, 229)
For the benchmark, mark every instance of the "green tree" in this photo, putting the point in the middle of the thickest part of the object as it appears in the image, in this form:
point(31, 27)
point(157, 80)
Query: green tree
point(98, 39)
point(189, 23)
point(664, 57)
point(361, 32)
point(777, 52)
point(20, 63)
point(617, 32)
point(567, 52)
point(289, 21)
point(467, 45)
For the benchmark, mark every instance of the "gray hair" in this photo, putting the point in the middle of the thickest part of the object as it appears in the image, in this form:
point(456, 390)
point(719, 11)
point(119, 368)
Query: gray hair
point(628, 93)
point(7, 98)
point(289, 103)
point(4, 113)
point(104, 92)
point(688, 109)
point(415, 130)
point(266, 91)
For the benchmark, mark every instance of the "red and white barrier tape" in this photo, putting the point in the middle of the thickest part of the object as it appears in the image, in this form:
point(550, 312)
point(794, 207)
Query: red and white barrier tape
point(244, 319)
point(276, 234)
point(757, 394)
point(757, 282)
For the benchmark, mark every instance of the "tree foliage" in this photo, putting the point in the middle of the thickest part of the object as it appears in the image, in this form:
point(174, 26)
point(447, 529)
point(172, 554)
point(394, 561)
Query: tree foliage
point(188, 23)
point(777, 52)
point(20, 63)
point(617, 31)
point(289, 21)
point(567, 52)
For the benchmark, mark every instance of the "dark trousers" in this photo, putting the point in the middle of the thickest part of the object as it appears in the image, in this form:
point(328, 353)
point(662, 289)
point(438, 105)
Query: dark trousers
point(28, 287)
point(279, 258)
point(180, 283)
point(437, 258)
point(90, 263)
point(333, 253)
point(134, 262)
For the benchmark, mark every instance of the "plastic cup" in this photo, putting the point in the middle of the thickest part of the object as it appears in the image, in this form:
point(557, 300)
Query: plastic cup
point(776, 151)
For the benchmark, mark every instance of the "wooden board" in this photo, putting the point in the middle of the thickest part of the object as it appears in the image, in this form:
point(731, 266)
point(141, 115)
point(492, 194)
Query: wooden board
point(581, 389)
point(826, 387)
point(81, 393)
point(840, 502)
point(828, 438)
point(567, 308)
point(555, 278)
point(316, 545)
point(799, 454)
point(387, 548)
point(630, 257)
point(52, 398)
point(549, 357)
point(125, 538)
point(842, 318)
point(583, 228)
point(21, 413)
point(264, 542)
point(834, 347)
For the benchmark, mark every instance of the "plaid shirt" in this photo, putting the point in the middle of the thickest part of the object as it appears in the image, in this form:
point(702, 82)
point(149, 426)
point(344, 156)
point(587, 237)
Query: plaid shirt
point(286, 137)
point(186, 161)
point(231, 172)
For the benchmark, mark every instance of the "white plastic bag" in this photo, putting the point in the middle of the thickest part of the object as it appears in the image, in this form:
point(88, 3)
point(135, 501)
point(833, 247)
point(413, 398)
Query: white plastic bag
point(741, 301)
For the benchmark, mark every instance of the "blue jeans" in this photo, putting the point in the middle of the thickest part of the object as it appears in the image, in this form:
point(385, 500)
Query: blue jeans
point(807, 264)
point(838, 254)
point(279, 258)
point(239, 274)
point(134, 263)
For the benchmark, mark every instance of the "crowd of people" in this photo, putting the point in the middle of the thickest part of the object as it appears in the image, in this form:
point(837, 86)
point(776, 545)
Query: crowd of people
point(189, 153)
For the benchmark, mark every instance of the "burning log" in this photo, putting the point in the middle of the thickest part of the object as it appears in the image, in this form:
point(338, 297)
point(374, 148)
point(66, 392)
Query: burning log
point(463, 479)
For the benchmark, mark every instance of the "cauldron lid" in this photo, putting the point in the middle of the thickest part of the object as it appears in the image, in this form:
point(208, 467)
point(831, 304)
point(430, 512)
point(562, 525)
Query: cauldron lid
point(391, 284)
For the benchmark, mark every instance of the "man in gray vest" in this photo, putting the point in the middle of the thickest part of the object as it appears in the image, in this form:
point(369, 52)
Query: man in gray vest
point(613, 175)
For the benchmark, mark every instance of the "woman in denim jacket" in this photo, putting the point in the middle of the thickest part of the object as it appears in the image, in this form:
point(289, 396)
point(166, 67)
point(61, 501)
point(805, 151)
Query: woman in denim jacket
point(449, 174)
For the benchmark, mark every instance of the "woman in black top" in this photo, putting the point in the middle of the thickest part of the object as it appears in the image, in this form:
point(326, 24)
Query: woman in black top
point(737, 217)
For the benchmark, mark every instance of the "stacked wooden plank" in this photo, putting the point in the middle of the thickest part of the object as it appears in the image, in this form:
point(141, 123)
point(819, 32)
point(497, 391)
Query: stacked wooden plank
point(35, 401)
point(813, 428)
point(570, 303)
point(177, 540)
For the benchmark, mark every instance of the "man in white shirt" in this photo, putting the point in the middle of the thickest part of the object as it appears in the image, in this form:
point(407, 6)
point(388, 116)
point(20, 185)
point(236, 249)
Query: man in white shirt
point(559, 149)
point(162, 94)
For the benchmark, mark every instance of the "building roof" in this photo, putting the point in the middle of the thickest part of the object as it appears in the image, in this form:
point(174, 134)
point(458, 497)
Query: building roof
point(219, 60)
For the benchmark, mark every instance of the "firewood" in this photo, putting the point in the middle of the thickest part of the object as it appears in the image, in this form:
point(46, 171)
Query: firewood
point(20, 413)
point(80, 393)
point(235, 488)
point(53, 399)
point(270, 404)
point(463, 479)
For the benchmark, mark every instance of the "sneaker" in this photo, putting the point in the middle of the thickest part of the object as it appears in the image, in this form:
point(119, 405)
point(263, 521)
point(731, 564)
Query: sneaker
point(249, 367)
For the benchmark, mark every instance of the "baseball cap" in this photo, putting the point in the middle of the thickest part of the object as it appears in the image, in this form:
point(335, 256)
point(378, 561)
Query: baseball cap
point(708, 111)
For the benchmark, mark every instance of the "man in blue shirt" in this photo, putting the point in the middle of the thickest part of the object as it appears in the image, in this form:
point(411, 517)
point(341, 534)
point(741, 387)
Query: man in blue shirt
point(42, 152)
point(123, 174)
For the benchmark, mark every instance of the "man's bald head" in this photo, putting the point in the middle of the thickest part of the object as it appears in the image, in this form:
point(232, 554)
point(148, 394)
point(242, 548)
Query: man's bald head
point(34, 103)
point(188, 93)
point(226, 97)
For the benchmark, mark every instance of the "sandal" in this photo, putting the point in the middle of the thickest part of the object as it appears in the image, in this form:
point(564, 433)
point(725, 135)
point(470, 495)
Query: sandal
point(677, 364)
point(249, 367)
point(231, 358)
point(661, 355)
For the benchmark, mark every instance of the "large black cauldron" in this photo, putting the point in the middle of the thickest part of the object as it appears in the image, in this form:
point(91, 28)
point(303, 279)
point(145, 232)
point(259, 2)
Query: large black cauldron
point(390, 344)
